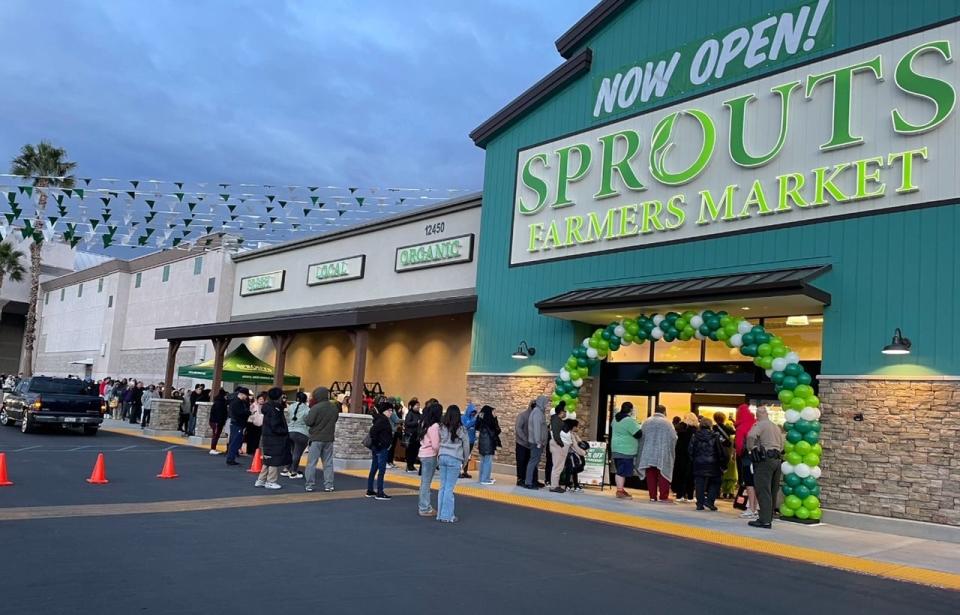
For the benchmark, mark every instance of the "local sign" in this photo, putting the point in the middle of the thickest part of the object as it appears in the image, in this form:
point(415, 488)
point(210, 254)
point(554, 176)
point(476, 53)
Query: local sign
point(336, 271)
point(864, 132)
point(435, 253)
point(262, 283)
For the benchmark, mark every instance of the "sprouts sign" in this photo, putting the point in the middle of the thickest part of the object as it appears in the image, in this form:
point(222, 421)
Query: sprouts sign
point(867, 131)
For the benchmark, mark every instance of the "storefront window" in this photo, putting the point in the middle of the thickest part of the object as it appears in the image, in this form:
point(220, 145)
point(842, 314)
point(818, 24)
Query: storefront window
point(677, 350)
point(804, 334)
point(634, 353)
point(718, 351)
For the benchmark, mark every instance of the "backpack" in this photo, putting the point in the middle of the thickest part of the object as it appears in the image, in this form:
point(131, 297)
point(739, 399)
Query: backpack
point(575, 463)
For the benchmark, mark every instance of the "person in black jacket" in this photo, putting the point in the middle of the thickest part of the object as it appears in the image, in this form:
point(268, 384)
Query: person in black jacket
point(488, 441)
point(411, 434)
point(239, 412)
point(381, 435)
point(136, 402)
point(708, 459)
point(218, 418)
point(274, 441)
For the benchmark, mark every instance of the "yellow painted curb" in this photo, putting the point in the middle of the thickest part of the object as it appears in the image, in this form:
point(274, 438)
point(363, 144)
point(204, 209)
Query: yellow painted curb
point(817, 557)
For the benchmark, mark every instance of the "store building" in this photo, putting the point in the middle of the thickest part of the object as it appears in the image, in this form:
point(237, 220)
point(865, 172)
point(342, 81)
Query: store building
point(794, 165)
point(100, 321)
point(385, 306)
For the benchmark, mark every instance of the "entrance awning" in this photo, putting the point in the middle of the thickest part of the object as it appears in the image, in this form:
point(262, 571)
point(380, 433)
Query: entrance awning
point(770, 293)
point(241, 365)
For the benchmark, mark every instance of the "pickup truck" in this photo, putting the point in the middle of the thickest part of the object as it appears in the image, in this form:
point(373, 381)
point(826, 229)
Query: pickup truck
point(42, 400)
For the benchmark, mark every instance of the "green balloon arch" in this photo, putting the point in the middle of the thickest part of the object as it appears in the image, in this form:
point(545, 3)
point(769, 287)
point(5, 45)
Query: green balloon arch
point(801, 465)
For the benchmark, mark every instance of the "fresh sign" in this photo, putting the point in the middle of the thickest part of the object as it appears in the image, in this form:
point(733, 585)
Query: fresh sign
point(336, 271)
point(776, 38)
point(263, 283)
point(859, 133)
point(435, 253)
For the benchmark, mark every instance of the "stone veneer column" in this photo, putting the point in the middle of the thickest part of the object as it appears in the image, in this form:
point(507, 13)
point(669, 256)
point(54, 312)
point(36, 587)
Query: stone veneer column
point(902, 459)
point(511, 394)
point(349, 453)
point(202, 432)
point(163, 417)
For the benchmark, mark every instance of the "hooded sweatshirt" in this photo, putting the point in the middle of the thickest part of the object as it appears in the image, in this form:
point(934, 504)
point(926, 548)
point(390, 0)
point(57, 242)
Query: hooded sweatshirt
point(744, 422)
point(537, 423)
point(321, 421)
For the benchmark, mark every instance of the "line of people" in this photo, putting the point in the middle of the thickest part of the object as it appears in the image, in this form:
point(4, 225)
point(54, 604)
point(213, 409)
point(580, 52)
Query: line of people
point(565, 451)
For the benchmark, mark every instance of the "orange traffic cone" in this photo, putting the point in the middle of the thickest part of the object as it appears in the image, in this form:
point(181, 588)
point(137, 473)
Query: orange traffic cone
point(4, 481)
point(257, 463)
point(169, 469)
point(99, 474)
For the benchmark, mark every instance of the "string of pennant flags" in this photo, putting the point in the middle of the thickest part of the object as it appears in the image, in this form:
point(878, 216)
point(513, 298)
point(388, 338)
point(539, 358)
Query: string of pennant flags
point(95, 213)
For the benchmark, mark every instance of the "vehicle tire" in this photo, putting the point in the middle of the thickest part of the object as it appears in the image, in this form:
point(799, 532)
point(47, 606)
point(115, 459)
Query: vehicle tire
point(4, 419)
point(90, 431)
point(26, 425)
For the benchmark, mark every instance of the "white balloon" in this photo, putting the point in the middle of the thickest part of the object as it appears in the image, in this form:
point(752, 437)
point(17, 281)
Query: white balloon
point(802, 470)
point(792, 357)
point(619, 331)
point(786, 467)
point(744, 327)
point(578, 382)
point(736, 340)
point(592, 353)
point(699, 336)
point(791, 416)
point(586, 342)
point(657, 319)
point(810, 414)
point(564, 375)
point(625, 342)
point(779, 364)
point(768, 372)
point(815, 471)
point(696, 321)
point(656, 333)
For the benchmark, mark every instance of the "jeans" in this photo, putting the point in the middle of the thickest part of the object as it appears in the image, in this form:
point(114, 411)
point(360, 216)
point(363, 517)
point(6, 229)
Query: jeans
point(378, 467)
point(428, 467)
point(298, 443)
point(146, 417)
point(531, 478)
point(766, 478)
point(192, 426)
point(236, 439)
point(215, 430)
point(324, 452)
point(708, 488)
point(486, 468)
point(449, 473)
point(523, 458)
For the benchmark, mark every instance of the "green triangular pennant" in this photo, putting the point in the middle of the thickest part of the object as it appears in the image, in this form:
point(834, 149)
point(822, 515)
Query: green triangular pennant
point(106, 216)
point(131, 194)
point(150, 203)
point(12, 199)
point(10, 218)
point(68, 192)
point(27, 228)
point(80, 193)
point(225, 197)
point(208, 229)
point(53, 220)
point(176, 241)
point(27, 189)
point(314, 200)
point(59, 199)
point(106, 201)
point(179, 185)
point(270, 197)
point(186, 222)
point(191, 206)
point(306, 212)
point(179, 196)
point(312, 188)
point(282, 203)
point(135, 183)
point(360, 200)
point(93, 223)
point(231, 208)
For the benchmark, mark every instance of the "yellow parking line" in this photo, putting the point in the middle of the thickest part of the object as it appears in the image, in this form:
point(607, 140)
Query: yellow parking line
point(817, 557)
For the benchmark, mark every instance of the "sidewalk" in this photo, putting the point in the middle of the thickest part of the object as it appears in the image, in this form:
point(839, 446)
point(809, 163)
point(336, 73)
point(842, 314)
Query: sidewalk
point(915, 560)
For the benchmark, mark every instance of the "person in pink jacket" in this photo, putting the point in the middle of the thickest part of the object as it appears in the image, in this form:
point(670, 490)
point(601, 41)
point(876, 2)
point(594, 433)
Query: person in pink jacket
point(429, 452)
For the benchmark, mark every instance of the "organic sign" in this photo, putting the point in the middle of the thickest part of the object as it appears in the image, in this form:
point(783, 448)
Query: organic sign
point(263, 283)
point(595, 467)
point(864, 132)
point(336, 271)
point(757, 44)
point(435, 253)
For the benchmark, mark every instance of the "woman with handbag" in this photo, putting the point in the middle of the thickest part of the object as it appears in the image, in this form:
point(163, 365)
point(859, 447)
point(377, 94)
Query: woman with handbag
point(488, 440)
point(255, 424)
point(576, 455)
point(429, 455)
point(276, 450)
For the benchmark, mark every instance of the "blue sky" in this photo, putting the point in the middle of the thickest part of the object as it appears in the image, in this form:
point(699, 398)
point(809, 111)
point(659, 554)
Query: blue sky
point(368, 93)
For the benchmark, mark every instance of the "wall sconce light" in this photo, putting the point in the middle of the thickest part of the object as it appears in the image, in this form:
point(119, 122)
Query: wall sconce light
point(524, 351)
point(899, 344)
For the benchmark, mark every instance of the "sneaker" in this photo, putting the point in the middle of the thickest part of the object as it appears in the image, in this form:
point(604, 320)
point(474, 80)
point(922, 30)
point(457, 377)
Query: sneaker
point(213, 452)
point(488, 482)
point(327, 489)
point(531, 487)
point(578, 488)
point(413, 471)
point(233, 463)
point(427, 513)
point(296, 475)
point(285, 473)
point(666, 501)
point(558, 490)
point(382, 496)
point(390, 466)
point(308, 488)
point(701, 508)
point(712, 508)
point(623, 495)
point(272, 486)
point(748, 514)
point(758, 523)
point(465, 475)
point(259, 483)
point(450, 520)
point(371, 494)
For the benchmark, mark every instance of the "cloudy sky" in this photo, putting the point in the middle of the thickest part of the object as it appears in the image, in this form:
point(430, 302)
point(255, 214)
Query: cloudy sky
point(369, 93)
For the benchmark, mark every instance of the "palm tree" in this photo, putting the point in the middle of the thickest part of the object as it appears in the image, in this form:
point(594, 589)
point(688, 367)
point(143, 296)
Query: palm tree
point(10, 265)
point(46, 166)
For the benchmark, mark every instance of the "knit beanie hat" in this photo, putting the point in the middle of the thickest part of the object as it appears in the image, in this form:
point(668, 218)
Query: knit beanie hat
point(275, 394)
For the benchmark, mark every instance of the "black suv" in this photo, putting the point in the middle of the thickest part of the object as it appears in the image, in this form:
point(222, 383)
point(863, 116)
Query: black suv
point(41, 400)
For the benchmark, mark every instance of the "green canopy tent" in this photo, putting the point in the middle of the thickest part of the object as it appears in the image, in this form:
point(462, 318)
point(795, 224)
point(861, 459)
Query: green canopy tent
point(241, 365)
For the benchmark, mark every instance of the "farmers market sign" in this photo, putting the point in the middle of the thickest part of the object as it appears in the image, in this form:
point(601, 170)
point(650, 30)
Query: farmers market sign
point(262, 283)
point(864, 132)
point(435, 254)
point(336, 271)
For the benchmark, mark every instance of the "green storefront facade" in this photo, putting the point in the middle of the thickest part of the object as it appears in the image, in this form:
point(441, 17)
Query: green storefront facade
point(595, 179)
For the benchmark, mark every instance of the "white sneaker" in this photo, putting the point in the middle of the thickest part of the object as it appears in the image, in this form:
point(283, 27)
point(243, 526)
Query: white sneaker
point(390, 466)
point(748, 514)
point(272, 486)
point(259, 483)
point(213, 452)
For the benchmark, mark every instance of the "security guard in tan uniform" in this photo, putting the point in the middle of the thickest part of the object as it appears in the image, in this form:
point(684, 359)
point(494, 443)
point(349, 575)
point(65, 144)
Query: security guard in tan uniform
point(765, 444)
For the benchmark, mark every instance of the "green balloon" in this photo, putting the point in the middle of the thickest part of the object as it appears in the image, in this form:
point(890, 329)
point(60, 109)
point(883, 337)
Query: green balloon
point(794, 436)
point(811, 436)
point(603, 345)
point(809, 482)
point(805, 378)
point(798, 403)
point(792, 479)
point(785, 396)
point(787, 490)
point(788, 447)
point(793, 502)
point(817, 448)
point(778, 351)
point(802, 513)
point(816, 514)
point(813, 401)
point(725, 321)
point(794, 458)
point(749, 350)
point(747, 339)
point(786, 511)
point(790, 382)
point(764, 350)
point(802, 426)
point(777, 377)
point(810, 502)
point(593, 342)
point(731, 329)
point(766, 362)
point(815, 490)
point(801, 492)
point(803, 390)
point(816, 426)
point(811, 459)
point(761, 338)
point(803, 447)
point(793, 369)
